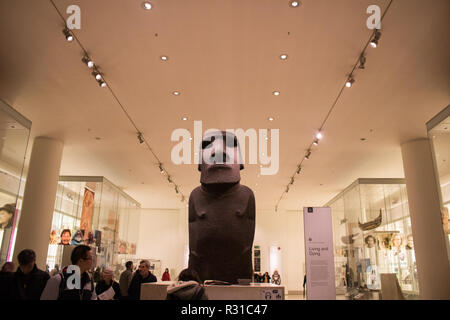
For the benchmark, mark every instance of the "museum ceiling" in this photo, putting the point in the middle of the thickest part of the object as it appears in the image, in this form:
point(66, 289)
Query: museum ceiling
point(224, 59)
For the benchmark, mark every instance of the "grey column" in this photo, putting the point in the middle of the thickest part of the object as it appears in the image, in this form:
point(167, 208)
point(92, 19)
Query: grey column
point(39, 199)
point(424, 207)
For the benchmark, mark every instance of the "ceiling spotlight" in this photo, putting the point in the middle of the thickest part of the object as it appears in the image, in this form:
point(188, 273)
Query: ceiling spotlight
point(88, 61)
point(308, 154)
point(176, 93)
point(140, 137)
point(185, 118)
point(67, 34)
point(284, 56)
point(276, 93)
point(161, 170)
point(101, 83)
point(176, 189)
point(292, 181)
point(299, 168)
point(169, 179)
point(319, 135)
point(349, 82)
point(287, 188)
point(374, 41)
point(362, 61)
point(164, 58)
point(97, 75)
point(316, 142)
point(294, 4)
point(147, 5)
point(270, 118)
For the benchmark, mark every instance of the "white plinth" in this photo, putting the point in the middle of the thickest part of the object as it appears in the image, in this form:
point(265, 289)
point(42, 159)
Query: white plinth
point(254, 291)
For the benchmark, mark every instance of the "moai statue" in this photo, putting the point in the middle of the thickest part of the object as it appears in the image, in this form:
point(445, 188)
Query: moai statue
point(221, 213)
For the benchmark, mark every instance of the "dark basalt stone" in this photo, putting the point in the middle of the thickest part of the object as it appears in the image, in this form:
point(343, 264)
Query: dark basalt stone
point(221, 216)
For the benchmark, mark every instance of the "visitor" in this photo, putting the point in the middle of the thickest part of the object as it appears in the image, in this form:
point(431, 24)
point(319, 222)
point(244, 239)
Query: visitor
point(143, 275)
point(8, 267)
point(125, 279)
point(55, 270)
point(106, 283)
point(28, 281)
point(188, 287)
point(276, 278)
point(166, 275)
point(266, 278)
point(56, 288)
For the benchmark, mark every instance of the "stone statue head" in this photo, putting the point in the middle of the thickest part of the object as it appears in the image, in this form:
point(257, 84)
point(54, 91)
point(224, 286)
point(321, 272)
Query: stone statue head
point(220, 158)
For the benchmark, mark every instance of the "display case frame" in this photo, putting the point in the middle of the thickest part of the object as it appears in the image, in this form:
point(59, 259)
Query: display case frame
point(368, 216)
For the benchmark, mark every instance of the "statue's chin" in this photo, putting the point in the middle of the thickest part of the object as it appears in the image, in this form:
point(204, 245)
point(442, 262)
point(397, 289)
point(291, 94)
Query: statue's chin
point(220, 173)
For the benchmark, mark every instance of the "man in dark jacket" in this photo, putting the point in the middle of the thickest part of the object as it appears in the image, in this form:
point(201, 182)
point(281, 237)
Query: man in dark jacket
point(28, 281)
point(125, 279)
point(142, 276)
point(57, 287)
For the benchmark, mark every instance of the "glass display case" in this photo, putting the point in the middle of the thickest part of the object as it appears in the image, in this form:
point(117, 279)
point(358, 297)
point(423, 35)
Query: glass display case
point(439, 135)
point(372, 235)
point(93, 211)
point(14, 136)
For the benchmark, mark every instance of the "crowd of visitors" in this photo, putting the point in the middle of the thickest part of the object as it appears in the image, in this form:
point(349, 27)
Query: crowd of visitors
point(78, 282)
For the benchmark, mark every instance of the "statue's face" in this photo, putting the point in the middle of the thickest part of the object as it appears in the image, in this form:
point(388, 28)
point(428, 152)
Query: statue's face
point(221, 161)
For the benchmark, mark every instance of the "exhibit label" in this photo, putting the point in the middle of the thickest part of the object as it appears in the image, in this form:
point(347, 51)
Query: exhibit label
point(320, 280)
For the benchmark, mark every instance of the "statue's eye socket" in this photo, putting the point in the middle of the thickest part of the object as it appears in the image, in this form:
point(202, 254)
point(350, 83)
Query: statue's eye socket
point(231, 142)
point(206, 144)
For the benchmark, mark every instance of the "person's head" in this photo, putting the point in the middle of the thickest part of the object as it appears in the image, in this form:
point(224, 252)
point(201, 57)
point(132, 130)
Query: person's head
point(396, 240)
point(82, 257)
point(6, 215)
point(8, 267)
point(108, 274)
point(167, 270)
point(65, 236)
point(370, 241)
point(144, 268)
point(57, 267)
point(27, 260)
point(189, 275)
point(129, 265)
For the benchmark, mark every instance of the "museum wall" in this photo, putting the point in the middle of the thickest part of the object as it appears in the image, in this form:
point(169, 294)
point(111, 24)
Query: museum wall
point(163, 235)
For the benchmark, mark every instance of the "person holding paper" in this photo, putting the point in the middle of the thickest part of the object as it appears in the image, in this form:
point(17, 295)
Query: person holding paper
point(107, 288)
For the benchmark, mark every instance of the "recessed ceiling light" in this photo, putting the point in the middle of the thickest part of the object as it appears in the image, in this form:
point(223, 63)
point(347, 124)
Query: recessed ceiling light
point(284, 56)
point(164, 58)
point(185, 118)
point(176, 93)
point(147, 5)
point(276, 93)
point(270, 118)
point(294, 4)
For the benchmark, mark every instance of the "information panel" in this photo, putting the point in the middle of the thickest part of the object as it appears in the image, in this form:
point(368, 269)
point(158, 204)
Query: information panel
point(320, 281)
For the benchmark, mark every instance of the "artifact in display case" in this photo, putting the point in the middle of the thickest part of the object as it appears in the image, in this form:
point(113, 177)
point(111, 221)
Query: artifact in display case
point(371, 224)
point(66, 236)
point(7, 215)
point(221, 213)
